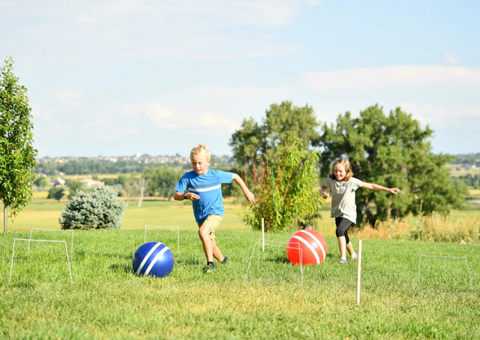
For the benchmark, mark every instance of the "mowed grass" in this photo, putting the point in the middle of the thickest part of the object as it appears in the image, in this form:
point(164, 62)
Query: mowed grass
point(108, 301)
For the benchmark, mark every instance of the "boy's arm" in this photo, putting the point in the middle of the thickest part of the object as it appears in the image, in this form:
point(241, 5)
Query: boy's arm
point(324, 193)
point(188, 196)
point(373, 186)
point(250, 197)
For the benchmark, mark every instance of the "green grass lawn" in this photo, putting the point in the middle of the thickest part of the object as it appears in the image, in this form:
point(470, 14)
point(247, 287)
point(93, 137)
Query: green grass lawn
point(107, 301)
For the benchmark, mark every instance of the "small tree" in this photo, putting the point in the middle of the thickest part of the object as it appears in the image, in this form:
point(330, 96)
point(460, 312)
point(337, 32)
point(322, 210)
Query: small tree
point(73, 186)
point(17, 155)
point(56, 193)
point(100, 209)
point(290, 193)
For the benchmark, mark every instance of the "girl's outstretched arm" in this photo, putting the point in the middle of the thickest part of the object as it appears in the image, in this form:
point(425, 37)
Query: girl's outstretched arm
point(373, 186)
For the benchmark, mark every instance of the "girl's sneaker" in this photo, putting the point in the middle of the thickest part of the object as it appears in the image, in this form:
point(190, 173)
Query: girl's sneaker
point(343, 260)
point(354, 257)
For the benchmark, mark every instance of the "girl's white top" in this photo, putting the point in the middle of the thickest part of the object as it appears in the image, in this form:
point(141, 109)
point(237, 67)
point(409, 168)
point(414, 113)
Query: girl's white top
point(343, 197)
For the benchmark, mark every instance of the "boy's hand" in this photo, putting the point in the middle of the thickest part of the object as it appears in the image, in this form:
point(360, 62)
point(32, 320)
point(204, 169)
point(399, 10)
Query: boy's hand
point(250, 197)
point(325, 194)
point(394, 190)
point(192, 197)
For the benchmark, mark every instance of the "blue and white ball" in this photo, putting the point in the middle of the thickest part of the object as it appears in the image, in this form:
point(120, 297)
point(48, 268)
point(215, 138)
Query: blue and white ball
point(154, 259)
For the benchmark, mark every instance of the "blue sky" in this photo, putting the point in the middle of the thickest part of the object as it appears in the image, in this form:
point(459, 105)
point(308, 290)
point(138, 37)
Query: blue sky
point(124, 77)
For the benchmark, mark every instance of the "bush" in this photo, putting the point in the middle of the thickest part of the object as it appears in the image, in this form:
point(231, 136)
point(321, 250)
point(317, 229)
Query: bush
point(99, 209)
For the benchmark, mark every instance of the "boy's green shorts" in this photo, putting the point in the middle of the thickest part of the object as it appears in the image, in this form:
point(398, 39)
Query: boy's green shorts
point(212, 222)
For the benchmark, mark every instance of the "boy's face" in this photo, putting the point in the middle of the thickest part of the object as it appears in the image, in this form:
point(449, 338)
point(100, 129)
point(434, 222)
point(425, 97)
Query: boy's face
point(200, 164)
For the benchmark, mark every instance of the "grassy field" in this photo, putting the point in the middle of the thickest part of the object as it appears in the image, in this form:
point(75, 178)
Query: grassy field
point(107, 301)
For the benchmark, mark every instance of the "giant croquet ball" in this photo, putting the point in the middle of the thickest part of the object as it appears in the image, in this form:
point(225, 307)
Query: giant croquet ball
point(312, 244)
point(154, 259)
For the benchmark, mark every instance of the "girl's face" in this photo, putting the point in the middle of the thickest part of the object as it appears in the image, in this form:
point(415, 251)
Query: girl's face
point(200, 164)
point(339, 172)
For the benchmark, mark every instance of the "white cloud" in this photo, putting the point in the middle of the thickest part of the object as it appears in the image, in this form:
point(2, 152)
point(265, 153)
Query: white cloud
point(451, 60)
point(162, 117)
point(219, 122)
point(69, 97)
point(465, 117)
point(371, 80)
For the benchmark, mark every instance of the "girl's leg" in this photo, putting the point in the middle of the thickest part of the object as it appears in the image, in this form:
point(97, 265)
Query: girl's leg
point(350, 249)
point(343, 240)
point(341, 245)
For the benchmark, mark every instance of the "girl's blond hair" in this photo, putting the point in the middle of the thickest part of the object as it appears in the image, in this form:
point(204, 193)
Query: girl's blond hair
point(200, 149)
point(346, 165)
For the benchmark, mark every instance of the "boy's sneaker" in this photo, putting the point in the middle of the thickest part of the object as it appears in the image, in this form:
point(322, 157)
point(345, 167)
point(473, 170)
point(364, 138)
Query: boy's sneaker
point(354, 257)
point(343, 260)
point(209, 268)
point(225, 261)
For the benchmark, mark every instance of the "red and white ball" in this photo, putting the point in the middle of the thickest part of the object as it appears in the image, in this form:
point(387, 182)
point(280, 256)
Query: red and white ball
point(312, 244)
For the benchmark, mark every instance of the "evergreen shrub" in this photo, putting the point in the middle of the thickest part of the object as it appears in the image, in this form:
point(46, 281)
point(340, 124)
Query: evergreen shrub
point(99, 209)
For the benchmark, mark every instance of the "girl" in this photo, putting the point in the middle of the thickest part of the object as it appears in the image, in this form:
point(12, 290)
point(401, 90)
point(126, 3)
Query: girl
point(343, 187)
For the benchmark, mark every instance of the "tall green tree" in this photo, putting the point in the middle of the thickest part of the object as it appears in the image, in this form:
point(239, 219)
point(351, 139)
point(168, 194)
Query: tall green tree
point(17, 154)
point(254, 139)
point(392, 151)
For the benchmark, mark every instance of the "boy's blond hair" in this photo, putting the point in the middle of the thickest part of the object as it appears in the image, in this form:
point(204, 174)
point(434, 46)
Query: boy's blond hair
point(346, 165)
point(200, 149)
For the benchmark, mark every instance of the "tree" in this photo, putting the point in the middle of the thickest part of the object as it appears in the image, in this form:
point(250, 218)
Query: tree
point(17, 155)
point(253, 140)
point(73, 187)
point(41, 182)
point(56, 193)
point(161, 181)
point(99, 209)
point(288, 194)
point(392, 151)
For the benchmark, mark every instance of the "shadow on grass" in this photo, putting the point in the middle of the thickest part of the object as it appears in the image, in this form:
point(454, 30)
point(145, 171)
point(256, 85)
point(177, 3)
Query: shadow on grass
point(122, 268)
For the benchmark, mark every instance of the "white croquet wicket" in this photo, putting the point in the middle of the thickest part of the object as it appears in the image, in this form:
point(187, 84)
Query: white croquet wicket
point(159, 226)
point(31, 232)
point(47, 241)
point(276, 244)
point(443, 257)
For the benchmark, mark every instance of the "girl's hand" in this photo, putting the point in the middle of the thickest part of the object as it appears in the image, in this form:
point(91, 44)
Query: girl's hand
point(394, 190)
point(325, 194)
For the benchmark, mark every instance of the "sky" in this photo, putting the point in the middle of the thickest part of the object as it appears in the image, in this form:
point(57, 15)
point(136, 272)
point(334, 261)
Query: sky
point(120, 77)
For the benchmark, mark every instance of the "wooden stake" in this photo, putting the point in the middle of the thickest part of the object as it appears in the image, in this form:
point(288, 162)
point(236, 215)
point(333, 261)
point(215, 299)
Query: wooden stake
point(359, 270)
point(263, 234)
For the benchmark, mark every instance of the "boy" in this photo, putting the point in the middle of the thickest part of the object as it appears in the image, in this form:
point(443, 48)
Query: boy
point(204, 190)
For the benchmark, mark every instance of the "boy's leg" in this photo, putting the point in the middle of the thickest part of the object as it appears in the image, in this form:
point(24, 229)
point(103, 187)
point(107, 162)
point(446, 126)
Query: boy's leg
point(217, 252)
point(204, 233)
point(207, 235)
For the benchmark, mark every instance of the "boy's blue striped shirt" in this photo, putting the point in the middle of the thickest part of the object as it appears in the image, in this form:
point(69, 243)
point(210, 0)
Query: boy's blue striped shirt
point(209, 188)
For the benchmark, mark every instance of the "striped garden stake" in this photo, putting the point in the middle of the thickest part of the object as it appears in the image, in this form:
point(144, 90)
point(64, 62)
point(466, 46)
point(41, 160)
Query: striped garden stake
point(359, 270)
